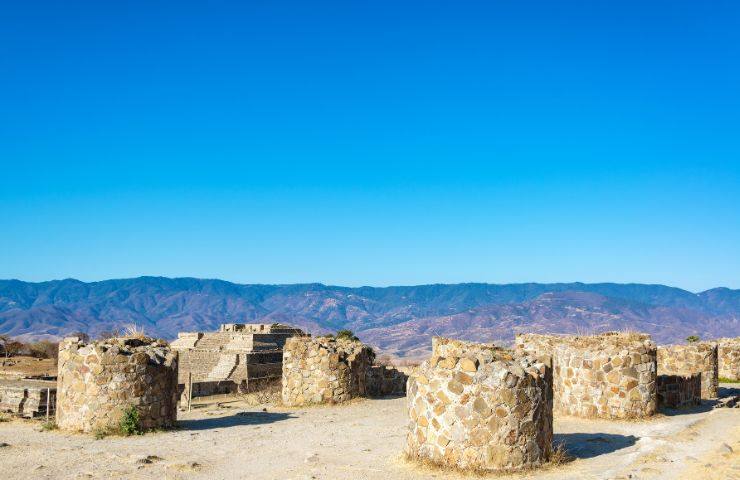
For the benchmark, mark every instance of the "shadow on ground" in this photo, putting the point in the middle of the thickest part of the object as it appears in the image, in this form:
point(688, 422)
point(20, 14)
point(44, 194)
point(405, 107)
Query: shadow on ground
point(705, 406)
point(589, 445)
point(241, 418)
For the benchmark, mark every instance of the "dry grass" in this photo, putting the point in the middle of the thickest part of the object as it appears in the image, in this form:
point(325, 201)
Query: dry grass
point(558, 457)
point(133, 331)
point(262, 393)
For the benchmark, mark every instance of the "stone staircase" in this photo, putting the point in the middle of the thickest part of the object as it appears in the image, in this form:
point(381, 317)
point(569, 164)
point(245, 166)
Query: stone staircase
point(224, 368)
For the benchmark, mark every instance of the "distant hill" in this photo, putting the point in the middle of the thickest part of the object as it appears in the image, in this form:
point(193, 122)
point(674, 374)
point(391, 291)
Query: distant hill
point(397, 320)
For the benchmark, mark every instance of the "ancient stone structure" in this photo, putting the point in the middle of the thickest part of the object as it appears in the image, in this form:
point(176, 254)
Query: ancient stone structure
point(611, 375)
point(729, 357)
point(475, 406)
point(686, 360)
point(537, 345)
point(27, 397)
point(324, 370)
point(676, 391)
point(99, 381)
point(383, 381)
point(228, 360)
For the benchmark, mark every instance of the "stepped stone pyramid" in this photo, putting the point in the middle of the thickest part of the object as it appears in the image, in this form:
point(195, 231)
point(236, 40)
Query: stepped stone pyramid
point(227, 361)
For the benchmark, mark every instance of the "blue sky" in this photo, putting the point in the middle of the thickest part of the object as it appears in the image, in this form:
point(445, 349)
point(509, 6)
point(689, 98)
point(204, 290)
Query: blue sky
point(371, 143)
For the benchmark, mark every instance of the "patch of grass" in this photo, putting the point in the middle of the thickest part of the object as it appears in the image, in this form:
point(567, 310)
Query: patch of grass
point(130, 422)
point(4, 418)
point(560, 455)
point(49, 426)
point(101, 433)
point(727, 380)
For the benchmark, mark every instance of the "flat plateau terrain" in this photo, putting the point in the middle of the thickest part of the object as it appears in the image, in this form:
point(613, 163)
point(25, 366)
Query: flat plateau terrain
point(361, 440)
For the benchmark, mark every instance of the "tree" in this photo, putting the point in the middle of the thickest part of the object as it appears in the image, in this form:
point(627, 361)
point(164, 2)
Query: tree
point(12, 347)
point(347, 335)
point(693, 338)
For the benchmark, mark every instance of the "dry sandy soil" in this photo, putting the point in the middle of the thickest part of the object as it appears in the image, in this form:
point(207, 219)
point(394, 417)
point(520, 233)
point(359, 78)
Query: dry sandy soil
point(27, 366)
point(361, 440)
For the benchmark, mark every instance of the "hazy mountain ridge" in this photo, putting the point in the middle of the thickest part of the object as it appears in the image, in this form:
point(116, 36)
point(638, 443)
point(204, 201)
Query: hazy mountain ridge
point(396, 319)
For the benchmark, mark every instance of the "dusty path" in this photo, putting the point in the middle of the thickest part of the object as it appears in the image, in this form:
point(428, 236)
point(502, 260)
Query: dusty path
point(361, 440)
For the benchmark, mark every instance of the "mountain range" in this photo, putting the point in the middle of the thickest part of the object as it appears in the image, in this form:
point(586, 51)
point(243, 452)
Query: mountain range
point(396, 320)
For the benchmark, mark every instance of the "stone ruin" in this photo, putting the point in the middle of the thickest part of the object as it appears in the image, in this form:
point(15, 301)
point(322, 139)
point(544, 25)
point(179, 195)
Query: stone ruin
point(729, 357)
point(677, 391)
point(689, 359)
point(383, 380)
point(99, 381)
point(229, 360)
point(324, 370)
point(479, 407)
point(28, 397)
point(611, 375)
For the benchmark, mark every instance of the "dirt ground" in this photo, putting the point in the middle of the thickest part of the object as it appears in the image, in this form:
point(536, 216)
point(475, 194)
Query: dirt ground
point(361, 440)
point(27, 366)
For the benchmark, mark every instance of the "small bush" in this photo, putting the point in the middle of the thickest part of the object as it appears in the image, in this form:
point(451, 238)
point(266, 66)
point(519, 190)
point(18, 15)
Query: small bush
point(130, 422)
point(347, 334)
point(49, 426)
point(100, 433)
point(693, 338)
point(3, 418)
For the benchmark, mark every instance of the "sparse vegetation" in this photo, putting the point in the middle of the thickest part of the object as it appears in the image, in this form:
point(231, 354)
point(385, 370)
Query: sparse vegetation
point(4, 418)
point(727, 380)
point(560, 455)
point(347, 335)
point(100, 433)
point(49, 426)
point(133, 331)
point(130, 422)
point(693, 338)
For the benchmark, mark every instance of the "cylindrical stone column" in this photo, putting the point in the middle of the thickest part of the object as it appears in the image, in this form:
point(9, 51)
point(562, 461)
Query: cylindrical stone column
point(480, 407)
point(99, 381)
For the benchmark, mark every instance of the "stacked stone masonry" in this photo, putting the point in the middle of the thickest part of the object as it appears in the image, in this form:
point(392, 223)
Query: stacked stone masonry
point(383, 381)
point(676, 391)
point(98, 382)
point(27, 398)
point(479, 407)
point(324, 370)
point(729, 358)
point(689, 359)
point(611, 375)
point(228, 360)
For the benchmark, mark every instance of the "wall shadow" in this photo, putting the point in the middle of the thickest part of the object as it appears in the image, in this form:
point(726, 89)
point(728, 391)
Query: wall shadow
point(241, 418)
point(589, 445)
point(705, 406)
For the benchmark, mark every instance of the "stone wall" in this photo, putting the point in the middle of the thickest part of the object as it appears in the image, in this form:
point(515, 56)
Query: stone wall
point(97, 382)
point(383, 380)
point(324, 370)
point(689, 359)
point(610, 375)
point(537, 345)
point(676, 391)
point(606, 376)
point(729, 357)
point(479, 407)
point(27, 398)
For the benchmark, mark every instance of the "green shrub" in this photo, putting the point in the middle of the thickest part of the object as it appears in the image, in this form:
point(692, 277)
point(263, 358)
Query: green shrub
point(693, 338)
point(48, 426)
point(130, 422)
point(347, 334)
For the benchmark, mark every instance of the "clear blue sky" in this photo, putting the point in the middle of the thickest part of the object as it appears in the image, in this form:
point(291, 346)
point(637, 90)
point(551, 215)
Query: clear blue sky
point(371, 143)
